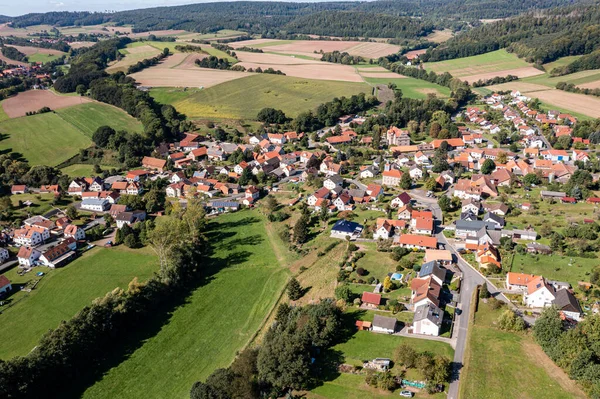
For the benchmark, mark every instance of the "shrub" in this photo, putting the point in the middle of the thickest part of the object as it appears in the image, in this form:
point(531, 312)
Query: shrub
point(360, 271)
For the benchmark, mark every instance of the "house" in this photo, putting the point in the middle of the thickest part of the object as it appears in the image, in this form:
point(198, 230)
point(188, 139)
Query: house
point(154, 163)
point(518, 281)
point(421, 159)
point(224, 206)
point(415, 173)
point(31, 235)
point(344, 202)
point(397, 137)
point(539, 294)
point(386, 228)
point(134, 188)
point(566, 303)
point(75, 232)
point(322, 193)
point(198, 154)
point(556, 195)
point(427, 319)
point(432, 269)
point(368, 172)
point(4, 255)
point(5, 285)
point(28, 256)
point(343, 228)
point(333, 181)
point(425, 290)
point(95, 204)
point(363, 325)
point(494, 219)
point(136, 175)
point(129, 218)
point(499, 209)
point(405, 212)
point(401, 200)
point(421, 222)
point(466, 228)
point(392, 177)
point(417, 242)
point(536, 248)
point(486, 255)
point(370, 299)
point(384, 324)
point(252, 193)
point(53, 188)
point(57, 255)
point(470, 205)
point(374, 191)
point(18, 189)
point(441, 256)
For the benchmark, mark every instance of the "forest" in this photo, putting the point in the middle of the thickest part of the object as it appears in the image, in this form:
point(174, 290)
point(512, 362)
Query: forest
point(589, 61)
point(536, 37)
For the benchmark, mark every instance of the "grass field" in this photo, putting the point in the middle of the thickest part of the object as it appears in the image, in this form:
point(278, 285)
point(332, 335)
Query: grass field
point(89, 117)
point(502, 364)
point(44, 139)
point(413, 88)
point(3, 115)
point(63, 292)
point(244, 98)
point(80, 169)
point(489, 62)
point(576, 78)
point(217, 319)
point(556, 267)
point(171, 95)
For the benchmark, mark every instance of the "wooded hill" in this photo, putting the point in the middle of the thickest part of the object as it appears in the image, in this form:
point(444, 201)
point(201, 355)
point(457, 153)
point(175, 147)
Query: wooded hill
point(536, 37)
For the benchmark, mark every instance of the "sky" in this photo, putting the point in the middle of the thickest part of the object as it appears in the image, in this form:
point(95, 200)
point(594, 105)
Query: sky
point(14, 8)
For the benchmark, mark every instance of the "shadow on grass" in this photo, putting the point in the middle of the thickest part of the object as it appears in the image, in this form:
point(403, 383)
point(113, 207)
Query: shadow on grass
point(125, 345)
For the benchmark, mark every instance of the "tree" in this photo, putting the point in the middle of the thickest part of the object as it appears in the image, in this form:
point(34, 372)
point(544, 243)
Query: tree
point(164, 238)
point(324, 213)
point(488, 167)
point(502, 157)
point(271, 115)
point(510, 321)
point(548, 329)
point(430, 184)
point(445, 203)
point(131, 241)
point(406, 356)
point(484, 292)
point(387, 283)
point(203, 391)
point(441, 370)
point(271, 204)
point(531, 179)
point(405, 181)
point(344, 292)
point(294, 290)
point(301, 229)
point(71, 212)
point(102, 136)
point(81, 90)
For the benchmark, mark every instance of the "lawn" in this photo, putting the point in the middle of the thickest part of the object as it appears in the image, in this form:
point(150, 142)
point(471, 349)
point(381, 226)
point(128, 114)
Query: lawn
point(244, 98)
point(42, 203)
point(44, 139)
point(43, 58)
point(377, 264)
point(89, 117)
point(216, 320)
point(563, 61)
point(556, 267)
point(502, 364)
point(413, 88)
point(499, 60)
point(170, 95)
point(80, 169)
point(62, 292)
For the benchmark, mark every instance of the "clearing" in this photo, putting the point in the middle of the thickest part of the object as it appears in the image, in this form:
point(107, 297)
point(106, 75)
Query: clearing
point(38, 54)
point(62, 292)
point(244, 98)
point(518, 361)
point(411, 87)
point(215, 322)
point(33, 100)
point(440, 36)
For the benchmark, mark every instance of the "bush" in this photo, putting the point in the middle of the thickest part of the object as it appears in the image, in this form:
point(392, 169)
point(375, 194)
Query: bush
point(484, 292)
point(352, 247)
point(294, 290)
point(360, 271)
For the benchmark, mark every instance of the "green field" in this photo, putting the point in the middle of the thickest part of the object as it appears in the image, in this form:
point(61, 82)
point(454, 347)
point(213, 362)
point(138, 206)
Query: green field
point(205, 47)
point(560, 62)
point(64, 291)
point(43, 58)
point(502, 365)
point(221, 34)
point(576, 78)
point(413, 88)
point(3, 115)
point(171, 95)
point(556, 267)
point(244, 98)
point(89, 117)
point(216, 320)
point(80, 169)
point(44, 139)
point(499, 60)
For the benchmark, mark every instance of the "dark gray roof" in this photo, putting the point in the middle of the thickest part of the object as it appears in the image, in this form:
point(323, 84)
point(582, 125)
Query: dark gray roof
point(474, 225)
point(494, 218)
point(224, 204)
point(337, 179)
point(384, 322)
point(564, 300)
point(468, 216)
point(356, 193)
point(346, 226)
point(432, 268)
point(429, 311)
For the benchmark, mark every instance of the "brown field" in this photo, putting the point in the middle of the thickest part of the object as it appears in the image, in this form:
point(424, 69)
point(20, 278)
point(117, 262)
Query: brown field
point(12, 62)
point(81, 44)
point(373, 69)
point(440, 36)
point(520, 72)
point(308, 47)
point(587, 105)
point(35, 50)
point(523, 87)
point(181, 61)
point(177, 77)
point(591, 85)
point(415, 52)
point(190, 61)
point(156, 33)
point(33, 100)
point(388, 75)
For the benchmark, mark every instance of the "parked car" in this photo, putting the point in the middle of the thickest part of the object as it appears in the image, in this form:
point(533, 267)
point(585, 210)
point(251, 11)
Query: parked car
point(406, 394)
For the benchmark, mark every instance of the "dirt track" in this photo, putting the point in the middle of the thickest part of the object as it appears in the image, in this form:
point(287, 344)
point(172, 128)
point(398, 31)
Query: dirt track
point(33, 100)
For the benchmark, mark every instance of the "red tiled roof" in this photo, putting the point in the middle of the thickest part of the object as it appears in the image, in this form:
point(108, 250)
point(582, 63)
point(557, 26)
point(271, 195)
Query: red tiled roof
point(371, 298)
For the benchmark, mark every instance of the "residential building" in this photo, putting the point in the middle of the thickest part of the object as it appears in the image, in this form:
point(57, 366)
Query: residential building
point(392, 177)
point(4, 255)
point(57, 255)
point(371, 299)
point(434, 270)
point(5, 285)
point(75, 232)
point(343, 228)
point(28, 256)
point(95, 204)
point(417, 242)
point(427, 319)
point(384, 324)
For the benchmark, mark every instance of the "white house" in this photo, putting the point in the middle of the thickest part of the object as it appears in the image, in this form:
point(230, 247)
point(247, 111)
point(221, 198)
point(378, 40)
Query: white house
point(55, 256)
point(401, 200)
point(539, 294)
point(428, 320)
point(28, 256)
point(95, 204)
point(333, 181)
point(75, 232)
point(384, 324)
point(415, 173)
point(31, 235)
point(368, 172)
point(343, 228)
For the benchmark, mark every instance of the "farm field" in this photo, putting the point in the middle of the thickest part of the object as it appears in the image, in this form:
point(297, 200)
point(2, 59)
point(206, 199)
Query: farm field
point(37, 54)
point(411, 87)
point(484, 66)
point(440, 36)
point(562, 61)
point(518, 361)
point(12, 62)
point(89, 117)
point(132, 55)
point(42, 138)
point(312, 47)
point(195, 77)
point(556, 267)
point(64, 291)
point(292, 95)
point(216, 320)
point(33, 100)
point(581, 103)
point(577, 78)
point(221, 34)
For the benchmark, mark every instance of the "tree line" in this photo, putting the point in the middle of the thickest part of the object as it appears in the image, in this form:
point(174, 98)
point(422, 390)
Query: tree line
point(13, 54)
point(148, 62)
point(583, 63)
point(495, 80)
point(570, 87)
point(342, 58)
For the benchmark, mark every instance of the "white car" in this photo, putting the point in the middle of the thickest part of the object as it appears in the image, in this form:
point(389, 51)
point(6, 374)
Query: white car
point(406, 394)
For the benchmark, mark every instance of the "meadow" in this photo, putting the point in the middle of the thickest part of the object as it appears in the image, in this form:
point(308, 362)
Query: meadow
point(413, 88)
point(89, 117)
point(244, 98)
point(244, 278)
point(80, 169)
point(62, 292)
point(562, 268)
point(500, 364)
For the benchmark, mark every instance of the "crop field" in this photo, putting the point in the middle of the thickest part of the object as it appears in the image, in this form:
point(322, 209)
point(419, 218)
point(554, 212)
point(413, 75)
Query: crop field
point(99, 29)
point(42, 139)
point(581, 103)
point(175, 77)
point(243, 98)
point(89, 117)
point(222, 34)
point(33, 100)
point(517, 362)
point(440, 36)
point(217, 319)
point(133, 55)
point(577, 78)
point(62, 292)
point(485, 66)
point(38, 54)
point(312, 47)
point(413, 88)
point(6, 30)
